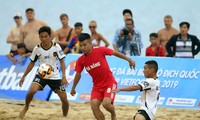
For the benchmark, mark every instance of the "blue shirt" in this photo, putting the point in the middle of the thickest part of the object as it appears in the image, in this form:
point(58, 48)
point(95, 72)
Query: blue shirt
point(133, 47)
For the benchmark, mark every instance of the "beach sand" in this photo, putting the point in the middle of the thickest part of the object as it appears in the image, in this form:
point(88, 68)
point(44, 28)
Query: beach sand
point(45, 110)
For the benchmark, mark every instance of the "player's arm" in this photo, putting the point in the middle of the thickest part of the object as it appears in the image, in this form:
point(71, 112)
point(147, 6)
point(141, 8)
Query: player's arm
point(64, 80)
point(76, 80)
point(129, 88)
point(28, 69)
point(120, 55)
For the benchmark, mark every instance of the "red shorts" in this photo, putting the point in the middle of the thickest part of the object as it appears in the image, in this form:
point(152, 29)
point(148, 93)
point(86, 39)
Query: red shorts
point(101, 92)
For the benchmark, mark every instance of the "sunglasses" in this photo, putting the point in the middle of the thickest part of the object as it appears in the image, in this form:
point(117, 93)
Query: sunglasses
point(92, 27)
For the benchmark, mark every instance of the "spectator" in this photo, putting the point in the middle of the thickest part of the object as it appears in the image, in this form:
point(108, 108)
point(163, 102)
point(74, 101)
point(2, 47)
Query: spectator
point(65, 33)
point(14, 35)
point(30, 30)
point(131, 44)
point(183, 45)
point(22, 51)
point(166, 33)
point(95, 36)
point(129, 40)
point(73, 46)
point(154, 49)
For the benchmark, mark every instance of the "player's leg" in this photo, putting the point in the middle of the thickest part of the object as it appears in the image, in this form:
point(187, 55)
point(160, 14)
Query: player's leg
point(65, 103)
point(56, 86)
point(37, 84)
point(141, 115)
point(95, 105)
point(109, 99)
point(96, 100)
point(109, 107)
point(33, 89)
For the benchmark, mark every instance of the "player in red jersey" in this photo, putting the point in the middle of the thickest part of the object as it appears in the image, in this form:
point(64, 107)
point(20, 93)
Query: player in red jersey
point(94, 61)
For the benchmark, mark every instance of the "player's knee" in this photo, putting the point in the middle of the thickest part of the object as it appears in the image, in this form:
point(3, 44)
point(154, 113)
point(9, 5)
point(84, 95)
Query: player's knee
point(94, 107)
point(106, 105)
point(33, 91)
point(139, 117)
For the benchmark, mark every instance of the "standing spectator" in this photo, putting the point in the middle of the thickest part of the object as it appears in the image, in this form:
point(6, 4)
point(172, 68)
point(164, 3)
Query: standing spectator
point(127, 39)
point(183, 45)
point(166, 33)
point(154, 49)
point(73, 46)
point(30, 30)
point(14, 35)
point(94, 61)
point(65, 33)
point(95, 36)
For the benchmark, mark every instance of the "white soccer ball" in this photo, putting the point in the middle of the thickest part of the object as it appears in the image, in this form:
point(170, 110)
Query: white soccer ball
point(45, 71)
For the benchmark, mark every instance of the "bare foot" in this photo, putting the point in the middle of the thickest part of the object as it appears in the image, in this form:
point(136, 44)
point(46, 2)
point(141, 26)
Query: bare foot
point(23, 112)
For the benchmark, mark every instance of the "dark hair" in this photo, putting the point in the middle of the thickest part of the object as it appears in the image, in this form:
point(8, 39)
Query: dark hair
point(153, 35)
point(78, 24)
point(152, 64)
point(21, 45)
point(129, 19)
point(63, 15)
point(45, 29)
point(83, 36)
point(185, 23)
point(29, 9)
point(127, 11)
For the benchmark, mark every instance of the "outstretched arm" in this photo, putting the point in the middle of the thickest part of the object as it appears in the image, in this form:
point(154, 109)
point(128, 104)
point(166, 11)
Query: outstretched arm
point(120, 55)
point(76, 80)
point(129, 88)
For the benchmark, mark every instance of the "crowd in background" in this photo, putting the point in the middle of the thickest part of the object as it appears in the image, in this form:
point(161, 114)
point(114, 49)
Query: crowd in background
point(127, 39)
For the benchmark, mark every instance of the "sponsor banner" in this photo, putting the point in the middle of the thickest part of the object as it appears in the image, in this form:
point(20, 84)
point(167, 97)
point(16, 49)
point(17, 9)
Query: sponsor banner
point(10, 76)
point(124, 98)
point(181, 102)
point(177, 76)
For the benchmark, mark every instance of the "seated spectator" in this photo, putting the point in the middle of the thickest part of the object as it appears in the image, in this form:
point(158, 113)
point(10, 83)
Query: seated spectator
point(154, 49)
point(73, 46)
point(183, 45)
point(95, 36)
point(14, 35)
point(22, 52)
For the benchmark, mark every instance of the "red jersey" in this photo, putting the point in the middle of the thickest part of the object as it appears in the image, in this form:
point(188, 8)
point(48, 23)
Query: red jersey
point(96, 65)
point(159, 50)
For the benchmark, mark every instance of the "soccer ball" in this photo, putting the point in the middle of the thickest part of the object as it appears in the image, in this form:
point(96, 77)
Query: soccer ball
point(45, 71)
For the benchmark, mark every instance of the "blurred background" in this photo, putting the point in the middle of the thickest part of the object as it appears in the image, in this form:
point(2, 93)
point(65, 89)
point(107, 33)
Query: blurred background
point(148, 15)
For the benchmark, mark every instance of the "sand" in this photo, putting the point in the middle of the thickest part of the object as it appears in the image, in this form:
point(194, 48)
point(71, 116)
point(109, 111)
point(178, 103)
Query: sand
point(44, 110)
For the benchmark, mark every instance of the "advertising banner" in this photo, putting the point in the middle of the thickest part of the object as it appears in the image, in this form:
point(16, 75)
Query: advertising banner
point(10, 76)
point(179, 81)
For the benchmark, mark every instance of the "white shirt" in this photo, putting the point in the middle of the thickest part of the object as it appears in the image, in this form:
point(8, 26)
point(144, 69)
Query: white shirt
point(49, 56)
point(150, 96)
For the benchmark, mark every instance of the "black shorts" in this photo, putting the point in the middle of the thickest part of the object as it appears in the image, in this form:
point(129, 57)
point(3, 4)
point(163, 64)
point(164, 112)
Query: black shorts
point(53, 84)
point(143, 113)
